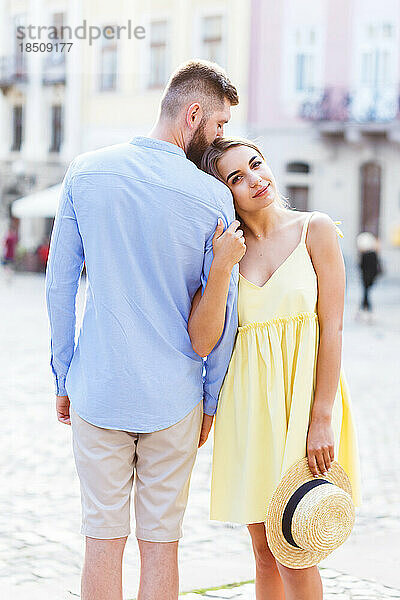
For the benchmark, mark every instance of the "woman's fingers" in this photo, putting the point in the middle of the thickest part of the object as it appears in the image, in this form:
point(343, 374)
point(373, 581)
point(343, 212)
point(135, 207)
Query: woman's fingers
point(233, 226)
point(231, 231)
point(219, 230)
point(228, 246)
point(312, 464)
point(320, 461)
point(327, 458)
point(320, 447)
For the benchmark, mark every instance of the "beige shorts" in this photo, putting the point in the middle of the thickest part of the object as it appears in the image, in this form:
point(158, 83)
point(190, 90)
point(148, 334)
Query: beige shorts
point(107, 460)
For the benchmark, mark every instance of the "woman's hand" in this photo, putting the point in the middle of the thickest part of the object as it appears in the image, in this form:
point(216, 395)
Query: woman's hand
point(208, 313)
point(320, 446)
point(228, 246)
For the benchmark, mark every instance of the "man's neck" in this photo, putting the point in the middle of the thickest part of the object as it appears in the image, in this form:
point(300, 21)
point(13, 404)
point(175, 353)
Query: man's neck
point(164, 132)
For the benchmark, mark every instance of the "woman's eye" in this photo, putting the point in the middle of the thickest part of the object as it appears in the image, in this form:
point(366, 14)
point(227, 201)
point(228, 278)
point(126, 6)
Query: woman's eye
point(256, 163)
point(235, 179)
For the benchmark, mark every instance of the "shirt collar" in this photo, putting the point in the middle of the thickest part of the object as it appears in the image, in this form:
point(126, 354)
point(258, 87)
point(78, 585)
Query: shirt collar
point(155, 144)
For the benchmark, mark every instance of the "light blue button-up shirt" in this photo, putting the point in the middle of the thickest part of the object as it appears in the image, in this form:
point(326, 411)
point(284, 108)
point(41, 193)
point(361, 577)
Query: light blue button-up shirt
point(141, 216)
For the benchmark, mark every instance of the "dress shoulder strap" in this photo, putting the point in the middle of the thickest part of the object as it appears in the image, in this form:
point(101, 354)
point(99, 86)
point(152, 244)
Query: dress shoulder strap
point(305, 227)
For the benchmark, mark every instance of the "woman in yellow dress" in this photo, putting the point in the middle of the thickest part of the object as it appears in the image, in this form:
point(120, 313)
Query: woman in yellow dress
point(284, 396)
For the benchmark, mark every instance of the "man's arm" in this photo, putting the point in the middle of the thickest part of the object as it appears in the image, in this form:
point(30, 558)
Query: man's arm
point(63, 272)
point(217, 361)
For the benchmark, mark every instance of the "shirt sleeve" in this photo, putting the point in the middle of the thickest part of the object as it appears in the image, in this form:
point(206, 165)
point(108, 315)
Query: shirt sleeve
point(64, 268)
point(216, 363)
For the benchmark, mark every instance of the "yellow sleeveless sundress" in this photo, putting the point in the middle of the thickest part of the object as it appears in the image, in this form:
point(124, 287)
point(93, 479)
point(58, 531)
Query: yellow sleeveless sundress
point(264, 406)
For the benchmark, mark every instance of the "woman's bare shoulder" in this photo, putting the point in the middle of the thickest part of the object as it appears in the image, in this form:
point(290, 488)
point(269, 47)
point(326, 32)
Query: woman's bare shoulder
point(322, 235)
point(321, 224)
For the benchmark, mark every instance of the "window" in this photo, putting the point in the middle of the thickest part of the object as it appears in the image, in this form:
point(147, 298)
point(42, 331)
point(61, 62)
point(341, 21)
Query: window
point(384, 68)
point(56, 128)
point(108, 64)
point(297, 167)
point(387, 30)
point(17, 116)
point(305, 40)
point(304, 72)
point(375, 68)
point(212, 39)
point(54, 63)
point(158, 54)
point(20, 60)
point(377, 56)
point(298, 196)
point(58, 22)
point(367, 74)
point(375, 97)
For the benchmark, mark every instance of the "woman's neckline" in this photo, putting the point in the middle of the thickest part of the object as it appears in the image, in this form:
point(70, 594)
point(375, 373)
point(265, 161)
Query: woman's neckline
point(302, 242)
point(260, 287)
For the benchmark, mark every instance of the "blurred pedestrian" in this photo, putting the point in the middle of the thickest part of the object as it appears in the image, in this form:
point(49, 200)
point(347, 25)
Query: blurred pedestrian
point(370, 267)
point(9, 250)
point(43, 254)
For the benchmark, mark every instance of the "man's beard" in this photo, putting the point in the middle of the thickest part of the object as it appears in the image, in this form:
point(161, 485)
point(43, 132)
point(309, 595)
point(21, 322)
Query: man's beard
point(198, 144)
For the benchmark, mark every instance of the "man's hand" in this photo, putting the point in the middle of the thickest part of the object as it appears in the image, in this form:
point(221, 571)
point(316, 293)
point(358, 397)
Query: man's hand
point(62, 408)
point(205, 429)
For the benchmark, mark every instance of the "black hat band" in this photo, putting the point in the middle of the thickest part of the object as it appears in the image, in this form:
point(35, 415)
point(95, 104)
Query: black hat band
point(292, 505)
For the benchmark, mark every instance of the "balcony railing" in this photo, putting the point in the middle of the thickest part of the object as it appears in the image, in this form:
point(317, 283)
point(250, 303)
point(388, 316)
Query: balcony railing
point(364, 105)
point(12, 71)
point(54, 68)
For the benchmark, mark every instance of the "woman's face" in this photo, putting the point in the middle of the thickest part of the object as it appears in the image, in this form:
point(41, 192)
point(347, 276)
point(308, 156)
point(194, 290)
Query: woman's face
point(248, 177)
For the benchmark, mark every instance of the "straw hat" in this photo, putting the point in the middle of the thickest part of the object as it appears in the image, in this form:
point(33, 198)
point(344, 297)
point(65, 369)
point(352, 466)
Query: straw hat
point(309, 517)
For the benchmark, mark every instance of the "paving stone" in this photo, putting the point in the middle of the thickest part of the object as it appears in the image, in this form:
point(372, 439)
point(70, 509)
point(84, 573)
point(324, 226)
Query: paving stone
point(228, 593)
point(41, 547)
point(328, 574)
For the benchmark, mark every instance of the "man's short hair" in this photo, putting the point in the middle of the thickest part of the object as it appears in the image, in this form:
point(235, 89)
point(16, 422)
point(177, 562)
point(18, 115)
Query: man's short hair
point(199, 80)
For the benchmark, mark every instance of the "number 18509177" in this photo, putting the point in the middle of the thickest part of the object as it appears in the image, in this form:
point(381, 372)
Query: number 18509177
point(45, 46)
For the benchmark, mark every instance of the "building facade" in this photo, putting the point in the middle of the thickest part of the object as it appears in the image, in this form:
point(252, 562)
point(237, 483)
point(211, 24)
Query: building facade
point(319, 84)
point(324, 103)
point(125, 101)
point(37, 108)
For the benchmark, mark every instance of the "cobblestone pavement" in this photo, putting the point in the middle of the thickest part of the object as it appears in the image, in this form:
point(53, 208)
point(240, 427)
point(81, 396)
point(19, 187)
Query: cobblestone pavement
point(336, 586)
point(41, 550)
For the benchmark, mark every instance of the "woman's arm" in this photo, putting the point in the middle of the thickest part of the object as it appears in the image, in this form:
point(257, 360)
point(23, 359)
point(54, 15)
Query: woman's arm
point(207, 316)
point(329, 266)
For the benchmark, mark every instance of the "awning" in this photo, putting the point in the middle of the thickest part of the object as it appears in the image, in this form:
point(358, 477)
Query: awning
point(39, 204)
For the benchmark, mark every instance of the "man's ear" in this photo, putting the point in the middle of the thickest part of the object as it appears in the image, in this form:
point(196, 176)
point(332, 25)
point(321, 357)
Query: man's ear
point(194, 114)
